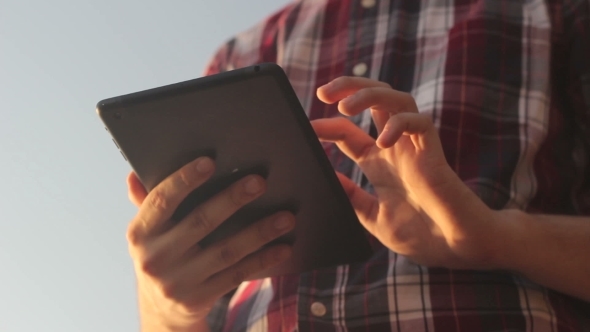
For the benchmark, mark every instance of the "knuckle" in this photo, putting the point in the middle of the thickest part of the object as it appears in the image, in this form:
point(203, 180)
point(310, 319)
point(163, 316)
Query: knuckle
point(238, 276)
point(409, 101)
point(149, 265)
point(133, 234)
point(169, 289)
point(376, 94)
point(188, 307)
point(364, 94)
point(342, 81)
point(373, 90)
point(265, 231)
point(184, 177)
point(237, 197)
point(401, 234)
point(201, 222)
point(227, 255)
point(158, 200)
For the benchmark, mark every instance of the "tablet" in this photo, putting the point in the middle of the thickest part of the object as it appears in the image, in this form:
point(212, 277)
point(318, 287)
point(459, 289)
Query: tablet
point(249, 121)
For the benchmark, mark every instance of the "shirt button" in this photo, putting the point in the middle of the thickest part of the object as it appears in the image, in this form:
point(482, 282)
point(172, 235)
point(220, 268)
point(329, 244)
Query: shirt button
point(318, 309)
point(360, 69)
point(368, 3)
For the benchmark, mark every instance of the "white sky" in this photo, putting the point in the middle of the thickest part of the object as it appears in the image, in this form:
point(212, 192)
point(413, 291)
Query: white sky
point(63, 202)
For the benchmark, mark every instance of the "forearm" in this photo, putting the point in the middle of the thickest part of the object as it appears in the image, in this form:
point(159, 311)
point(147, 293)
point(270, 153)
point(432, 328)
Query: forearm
point(550, 250)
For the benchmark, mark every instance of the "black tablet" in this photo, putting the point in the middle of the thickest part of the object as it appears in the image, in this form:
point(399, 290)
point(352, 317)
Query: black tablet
point(250, 121)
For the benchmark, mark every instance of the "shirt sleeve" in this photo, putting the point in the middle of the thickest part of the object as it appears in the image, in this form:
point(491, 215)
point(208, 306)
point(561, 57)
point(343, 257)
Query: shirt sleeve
point(220, 61)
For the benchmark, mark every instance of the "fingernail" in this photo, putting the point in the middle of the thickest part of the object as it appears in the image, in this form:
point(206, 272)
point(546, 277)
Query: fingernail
point(282, 222)
point(204, 165)
point(252, 186)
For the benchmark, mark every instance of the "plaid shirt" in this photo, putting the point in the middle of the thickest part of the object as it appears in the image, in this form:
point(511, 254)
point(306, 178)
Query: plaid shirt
point(507, 84)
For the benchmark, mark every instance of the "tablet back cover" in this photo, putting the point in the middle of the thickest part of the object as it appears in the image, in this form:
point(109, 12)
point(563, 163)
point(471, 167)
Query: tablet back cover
point(250, 121)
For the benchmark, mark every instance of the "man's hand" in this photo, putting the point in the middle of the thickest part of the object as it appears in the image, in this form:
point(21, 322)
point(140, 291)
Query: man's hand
point(178, 282)
point(422, 209)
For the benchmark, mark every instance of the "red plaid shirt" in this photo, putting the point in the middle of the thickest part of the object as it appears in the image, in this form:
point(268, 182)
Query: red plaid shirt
point(507, 84)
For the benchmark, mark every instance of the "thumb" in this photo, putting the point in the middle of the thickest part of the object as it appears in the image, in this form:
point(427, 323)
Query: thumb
point(365, 205)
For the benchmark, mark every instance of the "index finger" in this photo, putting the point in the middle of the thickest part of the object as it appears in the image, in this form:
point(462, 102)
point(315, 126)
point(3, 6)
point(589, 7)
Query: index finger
point(160, 204)
point(350, 139)
point(345, 86)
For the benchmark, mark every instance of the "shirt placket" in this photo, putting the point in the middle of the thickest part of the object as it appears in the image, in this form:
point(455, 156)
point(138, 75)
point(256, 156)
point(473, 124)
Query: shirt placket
point(367, 35)
point(322, 296)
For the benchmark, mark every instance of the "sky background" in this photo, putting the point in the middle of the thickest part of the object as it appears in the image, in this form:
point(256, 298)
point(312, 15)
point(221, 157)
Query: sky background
point(64, 210)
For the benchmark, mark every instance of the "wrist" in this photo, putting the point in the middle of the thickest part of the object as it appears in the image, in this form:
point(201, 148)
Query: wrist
point(510, 240)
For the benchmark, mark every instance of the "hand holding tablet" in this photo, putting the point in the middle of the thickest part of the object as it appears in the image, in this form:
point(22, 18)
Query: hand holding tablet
point(251, 124)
